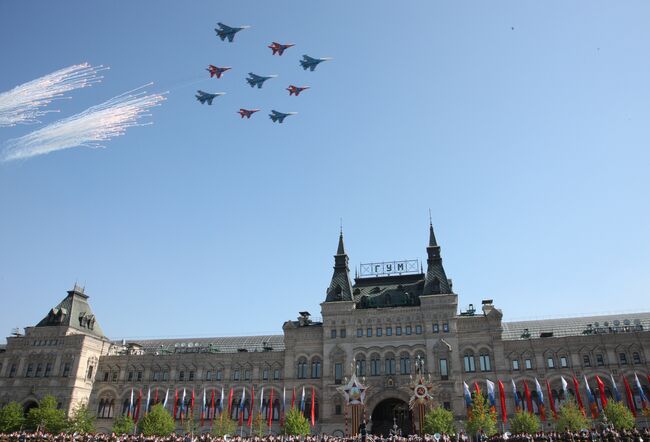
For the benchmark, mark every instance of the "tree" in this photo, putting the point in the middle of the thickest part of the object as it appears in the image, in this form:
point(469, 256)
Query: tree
point(260, 427)
point(123, 425)
point(570, 416)
point(12, 417)
point(223, 426)
point(81, 420)
point(295, 424)
point(189, 425)
point(619, 416)
point(481, 417)
point(524, 422)
point(439, 420)
point(47, 416)
point(158, 422)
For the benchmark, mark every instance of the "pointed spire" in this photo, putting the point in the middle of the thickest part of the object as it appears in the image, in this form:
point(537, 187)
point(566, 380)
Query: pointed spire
point(435, 281)
point(340, 288)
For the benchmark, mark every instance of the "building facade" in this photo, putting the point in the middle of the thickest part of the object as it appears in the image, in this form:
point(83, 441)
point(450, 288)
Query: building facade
point(376, 325)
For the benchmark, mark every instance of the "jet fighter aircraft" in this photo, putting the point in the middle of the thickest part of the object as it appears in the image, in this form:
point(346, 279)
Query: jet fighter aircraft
point(214, 70)
point(279, 48)
point(247, 112)
point(280, 116)
point(204, 97)
point(257, 80)
point(310, 63)
point(225, 31)
point(296, 89)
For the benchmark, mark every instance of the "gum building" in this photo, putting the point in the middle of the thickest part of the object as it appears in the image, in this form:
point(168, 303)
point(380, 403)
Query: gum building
point(377, 324)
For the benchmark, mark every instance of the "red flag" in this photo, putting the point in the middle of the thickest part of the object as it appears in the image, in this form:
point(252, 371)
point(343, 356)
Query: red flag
point(601, 389)
point(192, 404)
point(230, 402)
point(502, 398)
point(270, 408)
point(293, 397)
point(313, 412)
point(551, 400)
point(529, 399)
point(175, 402)
point(630, 399)
point(136, 415)
point(250, 412)
point(578, 398)
point(212, 407)
point(477, 388)
point(155, 397)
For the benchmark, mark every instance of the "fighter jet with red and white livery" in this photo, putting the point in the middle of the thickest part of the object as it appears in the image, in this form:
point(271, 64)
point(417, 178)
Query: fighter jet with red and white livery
point(247, 112)
point(296, 89)
point(217, 71)
point(279, 48)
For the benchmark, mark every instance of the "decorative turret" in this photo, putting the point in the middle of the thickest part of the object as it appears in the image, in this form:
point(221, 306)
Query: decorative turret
point(436, 281)
point(75, 312)
point(340, 288)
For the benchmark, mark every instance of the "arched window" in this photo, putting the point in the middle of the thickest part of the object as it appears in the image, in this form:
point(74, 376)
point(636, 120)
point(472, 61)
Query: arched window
point(301, 369)
point(375, 365)
point(484, 361)
point(636, 358)
point(468, 362)
point(389, 364)
point(361, 365)
point(100, 408)
point(405, 363)
point(315, 368)
point(276, 409)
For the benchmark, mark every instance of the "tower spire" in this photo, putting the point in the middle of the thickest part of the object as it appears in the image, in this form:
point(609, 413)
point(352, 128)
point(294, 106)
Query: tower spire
point(340, 288)
point(436, 281)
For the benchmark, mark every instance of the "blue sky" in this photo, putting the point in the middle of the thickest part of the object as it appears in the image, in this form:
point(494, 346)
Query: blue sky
point(529, 145)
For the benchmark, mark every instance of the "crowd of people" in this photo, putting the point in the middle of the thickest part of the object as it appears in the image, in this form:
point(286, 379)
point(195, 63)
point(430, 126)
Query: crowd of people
point(593, 435)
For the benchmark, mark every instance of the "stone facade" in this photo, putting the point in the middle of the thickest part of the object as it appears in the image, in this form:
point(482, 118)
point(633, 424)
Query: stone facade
point(376, 326)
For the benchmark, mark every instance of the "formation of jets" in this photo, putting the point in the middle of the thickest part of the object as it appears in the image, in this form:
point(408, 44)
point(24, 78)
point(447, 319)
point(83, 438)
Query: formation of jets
point(228, 32)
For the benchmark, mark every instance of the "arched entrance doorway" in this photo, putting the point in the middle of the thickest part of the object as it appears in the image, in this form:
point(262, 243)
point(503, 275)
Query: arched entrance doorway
point(391, 412)
point(28, 406)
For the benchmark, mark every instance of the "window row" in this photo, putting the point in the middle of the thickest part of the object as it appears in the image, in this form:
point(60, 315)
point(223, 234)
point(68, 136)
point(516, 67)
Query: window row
point(469, 362)
point(599, 361)
point(388, 331)
point(41, 370)
point(157, 375)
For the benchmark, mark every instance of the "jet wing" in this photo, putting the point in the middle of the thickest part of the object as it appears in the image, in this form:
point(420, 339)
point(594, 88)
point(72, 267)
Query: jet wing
point(224, 27)
point(308, 58)
point(230, 37)
point(254, 77)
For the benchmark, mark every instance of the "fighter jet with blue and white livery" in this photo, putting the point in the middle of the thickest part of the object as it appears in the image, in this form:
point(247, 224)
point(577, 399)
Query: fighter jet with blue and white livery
point(257, 80)
point(310, 63)
point(225, 31)
point(278, 117)
point(204, 97)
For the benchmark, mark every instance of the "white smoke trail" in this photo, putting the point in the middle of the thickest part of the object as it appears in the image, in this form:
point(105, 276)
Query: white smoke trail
point(24, 104)
point(89, 128)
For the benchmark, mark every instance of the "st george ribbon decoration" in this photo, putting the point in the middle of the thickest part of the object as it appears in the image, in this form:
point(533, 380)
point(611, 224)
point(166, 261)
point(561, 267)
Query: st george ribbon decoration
point(354, 392)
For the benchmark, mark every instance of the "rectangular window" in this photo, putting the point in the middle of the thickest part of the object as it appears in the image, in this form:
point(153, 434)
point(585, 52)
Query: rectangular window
point(265, 374)
point(369, 332)
point(389, 331)
point(30, 371)
point(165, 376)
point(418, 329)
point(276, 374)
point(130, 378)
point(621, 357)
point(398, 330)
point(39, 370)
point(89, 374)
point(359, 332)
point(436, 328)
point(343, 333)
point(66, 369)
point(315, 369)
point(515, 364)
point(550, 363)
point(636, 358)
point(361, 367)
point(219, 374)
point(563, 362)
point(379, 331)
point(586, 361)
point(405, 365)
point(106, 375)
point(115, 375)
point(445, 327)
point(600, 361)
point(528, 364)
point(468, 360)
point(446, 406)
point(48, 371)
point(333, 333)
point(338, 373)
point(140, 376)
point(181, 375)
point(235, 375)
point(408, 329)
point(12, 371)
point(208, 375)
point(389, 366)
point(337, 410)
point(247, 375)
point(444, 370)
